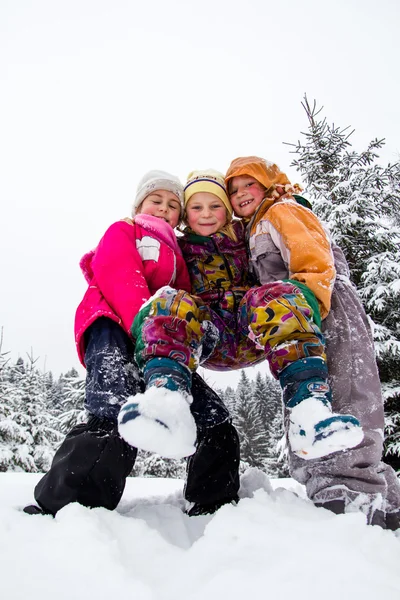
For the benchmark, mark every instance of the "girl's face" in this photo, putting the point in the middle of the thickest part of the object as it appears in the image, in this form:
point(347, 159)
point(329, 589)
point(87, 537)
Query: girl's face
point(162, 204)
point(245, 194)
point(205, 213)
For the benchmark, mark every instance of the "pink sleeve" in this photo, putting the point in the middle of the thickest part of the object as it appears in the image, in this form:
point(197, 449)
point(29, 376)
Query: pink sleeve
point(182, 281)
point(118, 270)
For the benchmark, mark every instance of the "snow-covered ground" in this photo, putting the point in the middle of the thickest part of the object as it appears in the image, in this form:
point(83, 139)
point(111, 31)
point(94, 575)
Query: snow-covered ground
point(274, 544)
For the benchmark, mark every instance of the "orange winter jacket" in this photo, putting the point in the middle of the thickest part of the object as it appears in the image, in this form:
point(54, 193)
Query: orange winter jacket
point(287, 241)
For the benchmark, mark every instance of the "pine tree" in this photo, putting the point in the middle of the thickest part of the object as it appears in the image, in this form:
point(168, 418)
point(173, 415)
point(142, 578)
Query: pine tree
point(149, 464)
point(260, 397)
point(229, 398)
point(247, 419)
point(72, 391)
point(35, 435)
point(15, 441)
point(359, 200)
point(276, 462)
point(13, 437)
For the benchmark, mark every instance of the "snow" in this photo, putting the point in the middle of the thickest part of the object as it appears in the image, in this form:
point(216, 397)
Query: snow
point(273, 544)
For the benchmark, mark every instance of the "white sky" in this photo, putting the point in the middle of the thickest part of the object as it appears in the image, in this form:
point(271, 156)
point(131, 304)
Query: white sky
point(273, 544)
point(93, 93)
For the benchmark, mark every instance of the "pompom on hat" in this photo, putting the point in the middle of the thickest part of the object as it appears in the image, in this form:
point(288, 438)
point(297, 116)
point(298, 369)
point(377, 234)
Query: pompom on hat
point(265, 172)
point(154, 181)
point(210, 181)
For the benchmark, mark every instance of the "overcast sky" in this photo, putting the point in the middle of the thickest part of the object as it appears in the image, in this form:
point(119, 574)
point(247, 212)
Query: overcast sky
point(93, 93)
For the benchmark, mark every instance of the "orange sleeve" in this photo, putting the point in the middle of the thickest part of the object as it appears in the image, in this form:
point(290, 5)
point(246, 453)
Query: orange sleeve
point(309, 254)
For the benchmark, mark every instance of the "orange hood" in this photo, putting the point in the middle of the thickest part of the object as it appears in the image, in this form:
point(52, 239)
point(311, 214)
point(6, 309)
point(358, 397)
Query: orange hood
point(266, 173)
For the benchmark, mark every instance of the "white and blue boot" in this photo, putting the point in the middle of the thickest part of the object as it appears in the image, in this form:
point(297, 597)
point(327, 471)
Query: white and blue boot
point(314, 430)
point(160, 420)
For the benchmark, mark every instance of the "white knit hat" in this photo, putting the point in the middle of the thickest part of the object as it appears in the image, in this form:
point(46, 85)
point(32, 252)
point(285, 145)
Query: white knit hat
point(157, 180)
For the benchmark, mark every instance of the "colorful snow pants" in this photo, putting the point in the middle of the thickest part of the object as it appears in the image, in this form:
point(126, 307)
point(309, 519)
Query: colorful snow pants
point(274, 322)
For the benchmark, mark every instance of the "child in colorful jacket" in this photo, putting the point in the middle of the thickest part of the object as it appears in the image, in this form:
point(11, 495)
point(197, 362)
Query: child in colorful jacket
point(133, 260)
point(218, 266)
point(345, 481)
point(278, 321)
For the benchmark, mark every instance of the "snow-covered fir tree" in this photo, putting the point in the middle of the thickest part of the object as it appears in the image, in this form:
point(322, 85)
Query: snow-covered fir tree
point(30, 411)
point(276, 463)
point(12, 436)
point(149, 464)
point(229, 397)
point(72, 390)
point(248, 421)
point(359, 200)
point(261, 400)
point(36, 411)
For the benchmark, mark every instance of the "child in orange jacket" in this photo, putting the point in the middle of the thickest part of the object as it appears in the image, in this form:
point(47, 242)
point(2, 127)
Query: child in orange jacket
point(357, 479)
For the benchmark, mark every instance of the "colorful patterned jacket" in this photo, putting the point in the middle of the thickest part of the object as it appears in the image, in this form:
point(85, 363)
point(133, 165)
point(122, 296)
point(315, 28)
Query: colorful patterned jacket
point(218, 266)
point(133, 260)
point(287, 241)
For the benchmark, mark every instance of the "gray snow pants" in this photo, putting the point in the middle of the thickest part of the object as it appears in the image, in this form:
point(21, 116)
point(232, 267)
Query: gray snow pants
point(358, 476)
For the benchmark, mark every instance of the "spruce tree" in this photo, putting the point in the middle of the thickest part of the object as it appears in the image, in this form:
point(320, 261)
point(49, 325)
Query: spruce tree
point(359, 200)
point(260, 397)
point(14, 440)
point(229, 398)
point(149, 464)
point(247, 419)
point(37, 428)
point(72, 391)
point(276, 462)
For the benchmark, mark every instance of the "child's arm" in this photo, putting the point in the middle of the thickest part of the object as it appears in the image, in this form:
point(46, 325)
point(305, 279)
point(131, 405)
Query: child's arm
point(118, 271)
point(305, 248)
point(182, 281)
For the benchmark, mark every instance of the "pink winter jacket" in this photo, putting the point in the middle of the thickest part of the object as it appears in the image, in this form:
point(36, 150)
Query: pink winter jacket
point(132, 261)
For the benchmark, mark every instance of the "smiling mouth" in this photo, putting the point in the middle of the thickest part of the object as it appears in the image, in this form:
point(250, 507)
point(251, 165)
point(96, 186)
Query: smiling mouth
point(245, 203)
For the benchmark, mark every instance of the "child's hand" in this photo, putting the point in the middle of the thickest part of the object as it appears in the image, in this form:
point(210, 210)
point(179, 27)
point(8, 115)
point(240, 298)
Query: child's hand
point(283, 191)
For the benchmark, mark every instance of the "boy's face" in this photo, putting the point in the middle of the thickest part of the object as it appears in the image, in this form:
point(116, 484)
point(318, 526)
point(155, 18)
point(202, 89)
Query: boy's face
point(205, 213)
point(245, 194)
point(162, 204)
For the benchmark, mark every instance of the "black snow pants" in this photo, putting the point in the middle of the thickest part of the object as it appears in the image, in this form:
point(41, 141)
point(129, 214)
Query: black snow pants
point(93, 461)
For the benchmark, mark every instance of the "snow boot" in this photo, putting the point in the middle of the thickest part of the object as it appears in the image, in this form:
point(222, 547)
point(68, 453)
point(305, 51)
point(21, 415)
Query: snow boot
point(33, 509)
point(314, 429)
point(169, 374)
point(392, 520)
point(160, 420)
point(374, 516)
point(198, 509)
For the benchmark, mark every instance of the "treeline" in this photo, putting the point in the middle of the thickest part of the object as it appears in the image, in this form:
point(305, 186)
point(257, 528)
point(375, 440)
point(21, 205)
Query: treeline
point(37, 410)
point(256, 409)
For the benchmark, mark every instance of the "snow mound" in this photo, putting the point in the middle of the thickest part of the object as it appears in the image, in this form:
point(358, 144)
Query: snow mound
point(272, 544)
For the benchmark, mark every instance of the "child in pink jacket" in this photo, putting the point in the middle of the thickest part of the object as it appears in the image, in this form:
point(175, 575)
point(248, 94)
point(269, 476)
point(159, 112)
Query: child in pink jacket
point(135, 258)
